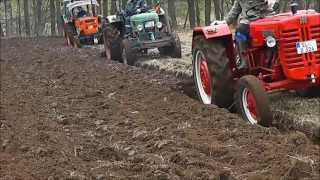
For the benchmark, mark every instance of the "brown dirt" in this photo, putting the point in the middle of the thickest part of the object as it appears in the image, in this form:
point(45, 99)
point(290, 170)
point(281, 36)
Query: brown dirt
point(67, 113)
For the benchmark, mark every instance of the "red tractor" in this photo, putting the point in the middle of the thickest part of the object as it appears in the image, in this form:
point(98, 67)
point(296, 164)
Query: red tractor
point(283, 54)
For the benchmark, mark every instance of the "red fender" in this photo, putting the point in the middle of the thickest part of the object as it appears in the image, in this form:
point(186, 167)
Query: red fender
point(210, 32)
point(221, 32)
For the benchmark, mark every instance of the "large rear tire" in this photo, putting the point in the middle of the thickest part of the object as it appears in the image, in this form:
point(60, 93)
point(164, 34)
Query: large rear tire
point(112, 43)
point(69, 34)
point(174, 50)
point(211, 72)
point(129, 55)
point(253, 102)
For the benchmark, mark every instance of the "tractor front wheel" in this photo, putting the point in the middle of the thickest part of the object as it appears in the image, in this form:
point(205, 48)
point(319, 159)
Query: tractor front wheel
point(129, 55)
point(253, 102)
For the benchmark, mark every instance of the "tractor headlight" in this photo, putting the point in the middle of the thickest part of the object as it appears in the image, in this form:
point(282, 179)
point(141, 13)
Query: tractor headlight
point(271, 41)
point(140, 27)
point(159, 25)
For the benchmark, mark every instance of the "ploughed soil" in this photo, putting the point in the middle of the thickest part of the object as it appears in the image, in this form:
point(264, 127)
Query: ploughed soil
point(70, 114)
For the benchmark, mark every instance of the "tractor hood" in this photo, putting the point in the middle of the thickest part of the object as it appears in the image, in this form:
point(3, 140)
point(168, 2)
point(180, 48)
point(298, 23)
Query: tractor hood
point(292, 32)
point(141, 18)
point(279, 23)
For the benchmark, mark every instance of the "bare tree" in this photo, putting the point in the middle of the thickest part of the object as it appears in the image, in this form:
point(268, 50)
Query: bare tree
point(192, 13)
point(317, 5)
point(113, 6)
point(198, 12)
point(59, 18)
point(172, 13)
point(26, 16)
point(11, 16)
point(18, 18)
point(105, 8)
point(207, 12)
point(53, 17)
point(217, 9)
point(1, 30)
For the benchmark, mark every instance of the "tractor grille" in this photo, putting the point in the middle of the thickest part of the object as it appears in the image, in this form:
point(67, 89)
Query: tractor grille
point(315, 34)
point(90, 21)
point(288, 45)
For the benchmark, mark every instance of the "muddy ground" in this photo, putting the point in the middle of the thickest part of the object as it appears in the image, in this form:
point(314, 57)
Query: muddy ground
point(70, 114)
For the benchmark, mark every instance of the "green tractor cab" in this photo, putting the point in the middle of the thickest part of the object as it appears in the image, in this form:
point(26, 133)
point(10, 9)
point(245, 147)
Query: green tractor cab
point(127, 36)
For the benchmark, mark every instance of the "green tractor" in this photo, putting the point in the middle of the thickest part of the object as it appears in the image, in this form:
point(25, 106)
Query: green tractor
point(125, 37)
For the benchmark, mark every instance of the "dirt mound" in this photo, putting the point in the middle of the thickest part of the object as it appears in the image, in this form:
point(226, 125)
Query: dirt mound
point(68, 113)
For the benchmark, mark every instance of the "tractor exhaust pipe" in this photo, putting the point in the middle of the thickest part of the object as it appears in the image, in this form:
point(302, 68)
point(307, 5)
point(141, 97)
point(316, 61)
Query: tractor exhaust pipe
point(294, 6)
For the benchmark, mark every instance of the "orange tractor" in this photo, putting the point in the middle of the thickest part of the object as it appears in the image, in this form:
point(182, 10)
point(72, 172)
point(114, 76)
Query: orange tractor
point(82, 25)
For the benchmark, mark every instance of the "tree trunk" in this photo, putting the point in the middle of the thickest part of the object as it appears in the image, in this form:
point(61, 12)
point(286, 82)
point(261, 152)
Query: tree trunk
point(124, 4)
point(207, 12)
point(105, 8)
point(26, 16)
point(18, 18)
point(113, 6)
point(302, 4)
point(53, 17)
point(1, 31)
point(192, 13)
point(317, 5)
point(149, 2)
point(6, 16)
point(172, 13)
point(198, 13)
point(99, 9)
point(59, 18)
point(11, 17)
point(217, 9)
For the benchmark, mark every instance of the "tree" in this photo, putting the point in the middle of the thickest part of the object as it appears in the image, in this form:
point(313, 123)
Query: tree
point(53, 17)
point(192, 13)
point(198, 12)
point(6, 16)
point(11, 17)
point(18, 18)
point(124, 4)
point(113, 6)
point(1, 31)
point(59, 18)
point(207, 12)
point(26, 16)
point(317, 5)
point(105, 8)
point(217, 9)
point(172, 13)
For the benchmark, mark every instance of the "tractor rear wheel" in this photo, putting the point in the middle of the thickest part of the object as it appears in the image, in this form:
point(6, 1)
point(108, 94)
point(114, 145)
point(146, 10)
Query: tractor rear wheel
point(112, 43)
point(174, 50)
point(253, 102)
point(76, 42)
point(69, 34)
point(310, 92)
point(211, 72)
point(129, 55)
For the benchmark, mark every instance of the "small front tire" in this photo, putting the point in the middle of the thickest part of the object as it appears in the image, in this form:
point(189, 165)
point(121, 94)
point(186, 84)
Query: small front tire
point(253, 102)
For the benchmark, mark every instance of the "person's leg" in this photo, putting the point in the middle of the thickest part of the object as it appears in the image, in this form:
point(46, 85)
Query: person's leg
point(242, 40)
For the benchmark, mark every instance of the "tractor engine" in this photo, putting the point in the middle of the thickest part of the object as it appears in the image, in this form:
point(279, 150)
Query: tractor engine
point(294, 42)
